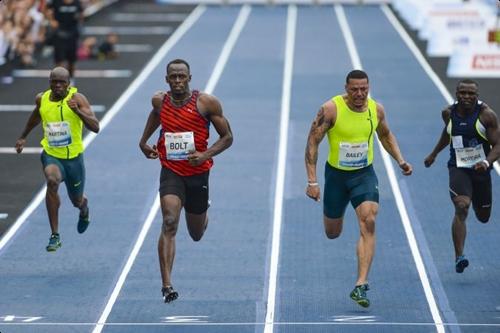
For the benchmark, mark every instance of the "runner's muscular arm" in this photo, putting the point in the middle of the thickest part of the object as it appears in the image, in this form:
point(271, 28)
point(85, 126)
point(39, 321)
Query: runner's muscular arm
point(324, 120)
point(390, 143)
point(32, 122)
point(444, 139)
point(489, 119)
point(211, 108)
point(152, 124)
point(81, 106)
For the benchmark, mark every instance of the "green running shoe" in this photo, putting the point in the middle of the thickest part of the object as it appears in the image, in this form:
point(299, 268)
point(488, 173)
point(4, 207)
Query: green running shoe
point(460, 263)
point(358, 294)
point(83, 220)
point(54, 243)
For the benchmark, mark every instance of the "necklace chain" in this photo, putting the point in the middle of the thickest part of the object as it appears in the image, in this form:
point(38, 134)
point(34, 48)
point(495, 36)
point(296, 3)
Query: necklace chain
point(180, 101)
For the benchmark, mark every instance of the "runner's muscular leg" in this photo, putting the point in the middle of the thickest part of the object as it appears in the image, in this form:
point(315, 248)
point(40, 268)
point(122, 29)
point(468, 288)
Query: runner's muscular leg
point(52, 201)
point(170, 207)
point(458, 227)
point(482, 200)
point(333, 226)
point(196, 224)
point(483, 214)
point(79, 202)
point(366, 213)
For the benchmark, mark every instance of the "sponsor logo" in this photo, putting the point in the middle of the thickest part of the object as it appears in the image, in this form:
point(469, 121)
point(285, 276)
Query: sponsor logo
point(486, 61)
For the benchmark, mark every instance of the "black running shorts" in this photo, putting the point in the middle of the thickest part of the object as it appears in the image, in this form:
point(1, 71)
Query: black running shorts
point(472, 184)
point(192, 190)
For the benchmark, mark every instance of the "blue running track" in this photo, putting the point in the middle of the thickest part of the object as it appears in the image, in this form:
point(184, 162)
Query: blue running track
point(107, 280)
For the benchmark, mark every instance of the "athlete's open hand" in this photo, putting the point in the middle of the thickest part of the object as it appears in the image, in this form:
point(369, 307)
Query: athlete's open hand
point(313, 192)
point(406, 168)
point(196, 158)
point(148, 151)
point(20, 145)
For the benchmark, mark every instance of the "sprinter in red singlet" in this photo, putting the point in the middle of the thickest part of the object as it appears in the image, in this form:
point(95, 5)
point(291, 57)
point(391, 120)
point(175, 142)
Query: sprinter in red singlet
point(184, 116)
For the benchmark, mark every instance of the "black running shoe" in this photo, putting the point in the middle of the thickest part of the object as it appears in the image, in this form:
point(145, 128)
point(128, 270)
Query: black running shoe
point(83, 220)
point(169, 294)
point(460, 263)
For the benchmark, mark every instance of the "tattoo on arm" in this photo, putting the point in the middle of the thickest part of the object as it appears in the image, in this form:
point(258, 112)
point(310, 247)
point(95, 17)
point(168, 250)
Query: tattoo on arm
point(318, 130)
point(311, 156)
point(320, 117)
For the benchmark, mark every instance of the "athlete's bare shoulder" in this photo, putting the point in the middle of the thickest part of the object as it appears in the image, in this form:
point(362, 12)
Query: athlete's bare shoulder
point(487, 116)
point(380, 111)
point(330, 110)
point(209, 104)
point(446, 113)
point(485, 108)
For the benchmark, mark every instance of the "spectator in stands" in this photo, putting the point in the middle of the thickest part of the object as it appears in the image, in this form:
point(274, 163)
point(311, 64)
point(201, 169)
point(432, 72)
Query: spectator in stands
point(107, 49)
point(20, 24)
point(88, 49)
point(3, 41)
point(66, 20)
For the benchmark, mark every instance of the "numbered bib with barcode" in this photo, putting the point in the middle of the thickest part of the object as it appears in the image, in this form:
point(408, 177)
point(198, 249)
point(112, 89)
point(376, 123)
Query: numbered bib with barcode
point(58, 134)
point(353, 155)
point(468, 157)
point(179, 145)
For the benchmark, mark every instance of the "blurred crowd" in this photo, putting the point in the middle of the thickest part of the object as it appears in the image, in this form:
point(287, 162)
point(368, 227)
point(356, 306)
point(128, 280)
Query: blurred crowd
point(26, 28)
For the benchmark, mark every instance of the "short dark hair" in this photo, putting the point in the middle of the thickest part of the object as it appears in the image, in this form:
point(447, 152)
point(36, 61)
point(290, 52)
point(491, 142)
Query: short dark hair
point(468, 81)
point(179, 61)
point(356, 74)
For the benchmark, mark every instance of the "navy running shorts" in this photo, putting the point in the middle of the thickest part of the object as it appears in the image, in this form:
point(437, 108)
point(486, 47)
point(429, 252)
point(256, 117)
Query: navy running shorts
point(342, 187)
point(72, 172)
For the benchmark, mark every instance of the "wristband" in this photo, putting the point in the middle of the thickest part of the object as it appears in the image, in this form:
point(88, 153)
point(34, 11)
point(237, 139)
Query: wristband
point(312, 184)
point(486, 162)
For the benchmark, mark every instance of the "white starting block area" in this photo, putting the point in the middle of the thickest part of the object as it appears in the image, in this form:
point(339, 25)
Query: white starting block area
point(458, 30)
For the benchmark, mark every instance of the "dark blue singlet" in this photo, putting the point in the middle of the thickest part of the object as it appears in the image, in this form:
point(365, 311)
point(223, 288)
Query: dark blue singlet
point(466, 128)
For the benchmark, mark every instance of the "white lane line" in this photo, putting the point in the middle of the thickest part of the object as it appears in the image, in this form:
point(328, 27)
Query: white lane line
point(30, 107)
point(148, 17)
point(79, 73)
point(417, 257)
point(128, 266)
point(133, 48)
point(422, 61)
point(153, 63)
point(188, 23)
point(305, 324)
point(26, 150)
point(153, 30)
point(3, 216)
point(228, 47)
point(281, 167)
point(98, 5)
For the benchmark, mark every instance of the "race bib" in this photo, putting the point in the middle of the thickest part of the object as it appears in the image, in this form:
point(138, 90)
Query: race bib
point(58, 134)
point(467, 157)
point(179, 145)
point(353, 155)
point(457, 141)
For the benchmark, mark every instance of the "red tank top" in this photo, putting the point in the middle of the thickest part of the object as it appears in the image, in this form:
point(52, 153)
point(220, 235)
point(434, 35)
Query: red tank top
point(185, 118)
